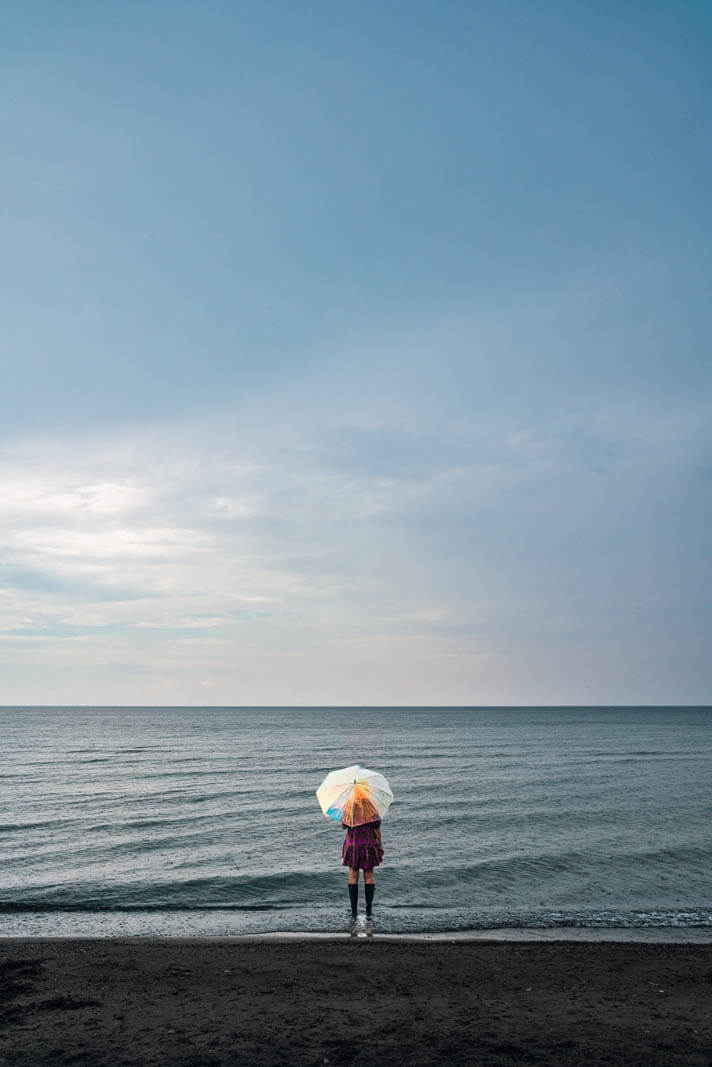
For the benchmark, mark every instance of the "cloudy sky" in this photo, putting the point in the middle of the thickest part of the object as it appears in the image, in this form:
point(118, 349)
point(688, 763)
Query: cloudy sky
point(355, 353)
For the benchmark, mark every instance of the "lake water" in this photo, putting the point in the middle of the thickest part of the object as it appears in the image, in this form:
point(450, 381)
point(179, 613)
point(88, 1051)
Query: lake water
point(203, 821)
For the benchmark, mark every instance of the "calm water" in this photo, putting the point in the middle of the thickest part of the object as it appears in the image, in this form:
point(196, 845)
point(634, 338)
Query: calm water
point(204, 820)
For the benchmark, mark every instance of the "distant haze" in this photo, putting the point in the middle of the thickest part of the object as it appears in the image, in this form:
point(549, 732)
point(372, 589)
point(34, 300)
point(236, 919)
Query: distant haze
point(355, 353)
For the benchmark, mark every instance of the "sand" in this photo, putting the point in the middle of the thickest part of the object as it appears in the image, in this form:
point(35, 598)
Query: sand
point(363, 1001)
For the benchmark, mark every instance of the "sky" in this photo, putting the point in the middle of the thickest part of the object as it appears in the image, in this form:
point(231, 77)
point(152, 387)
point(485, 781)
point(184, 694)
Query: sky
point(355, 353)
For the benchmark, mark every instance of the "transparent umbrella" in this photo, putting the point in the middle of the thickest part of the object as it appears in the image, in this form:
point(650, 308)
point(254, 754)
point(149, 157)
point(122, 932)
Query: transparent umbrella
point(354, 795)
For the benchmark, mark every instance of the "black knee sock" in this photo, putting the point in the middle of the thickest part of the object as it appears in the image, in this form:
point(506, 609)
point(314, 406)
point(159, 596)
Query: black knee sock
point(370, 890)
point(353, 894)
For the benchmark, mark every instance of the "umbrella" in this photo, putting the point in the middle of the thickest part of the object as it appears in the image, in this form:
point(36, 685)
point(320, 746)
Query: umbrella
point(354, 795)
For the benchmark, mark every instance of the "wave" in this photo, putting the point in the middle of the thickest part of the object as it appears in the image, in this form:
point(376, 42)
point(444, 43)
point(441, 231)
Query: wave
point(14, 907)
point(569, 861)
point(19, 827)
point(393, 918)
point(234, 891)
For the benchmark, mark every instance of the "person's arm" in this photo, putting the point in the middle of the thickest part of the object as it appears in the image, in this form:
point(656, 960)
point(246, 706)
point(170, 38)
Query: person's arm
point(377, 831)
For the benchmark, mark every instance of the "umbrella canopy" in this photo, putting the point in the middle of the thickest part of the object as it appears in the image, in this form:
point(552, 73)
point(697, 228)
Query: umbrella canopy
point(354, 795)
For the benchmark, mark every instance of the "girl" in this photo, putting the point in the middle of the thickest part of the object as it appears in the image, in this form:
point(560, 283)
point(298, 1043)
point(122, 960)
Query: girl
point(362, 851)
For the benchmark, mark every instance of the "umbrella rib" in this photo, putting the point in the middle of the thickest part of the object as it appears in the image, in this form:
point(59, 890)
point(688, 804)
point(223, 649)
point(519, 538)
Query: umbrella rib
point(342, 799)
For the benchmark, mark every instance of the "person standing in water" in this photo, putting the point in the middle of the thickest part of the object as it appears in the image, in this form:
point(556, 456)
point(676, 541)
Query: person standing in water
point(362, 851)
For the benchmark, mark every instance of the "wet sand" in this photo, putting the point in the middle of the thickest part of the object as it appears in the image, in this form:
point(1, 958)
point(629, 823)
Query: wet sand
point(353, 1001)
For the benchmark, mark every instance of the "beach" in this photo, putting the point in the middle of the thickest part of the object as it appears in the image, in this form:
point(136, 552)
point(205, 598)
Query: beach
point(353, 1001)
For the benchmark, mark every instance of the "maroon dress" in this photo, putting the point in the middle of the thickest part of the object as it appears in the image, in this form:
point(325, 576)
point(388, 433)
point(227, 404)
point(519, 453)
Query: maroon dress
point(362, 848)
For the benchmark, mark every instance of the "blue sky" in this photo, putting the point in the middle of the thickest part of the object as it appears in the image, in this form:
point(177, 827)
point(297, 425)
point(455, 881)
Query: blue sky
point(355, 353)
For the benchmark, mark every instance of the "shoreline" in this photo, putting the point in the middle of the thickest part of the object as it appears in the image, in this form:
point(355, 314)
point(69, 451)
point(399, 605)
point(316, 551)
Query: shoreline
point(343, 1000)
point(662, 935)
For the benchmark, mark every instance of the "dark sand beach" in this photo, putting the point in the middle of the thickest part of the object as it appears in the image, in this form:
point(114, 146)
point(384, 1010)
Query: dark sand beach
point(353, 1002)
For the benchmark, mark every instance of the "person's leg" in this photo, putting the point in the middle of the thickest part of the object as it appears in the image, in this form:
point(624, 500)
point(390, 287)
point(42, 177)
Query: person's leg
point(369, 889)
point(353, 890)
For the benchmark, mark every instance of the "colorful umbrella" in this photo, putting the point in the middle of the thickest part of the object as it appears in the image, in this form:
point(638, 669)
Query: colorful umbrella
point(354, 795)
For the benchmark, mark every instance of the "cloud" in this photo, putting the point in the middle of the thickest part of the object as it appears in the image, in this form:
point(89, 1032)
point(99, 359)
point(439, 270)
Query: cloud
point(223, 551)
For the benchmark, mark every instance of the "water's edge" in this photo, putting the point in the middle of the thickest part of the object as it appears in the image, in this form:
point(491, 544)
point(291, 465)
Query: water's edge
point(591, 935)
